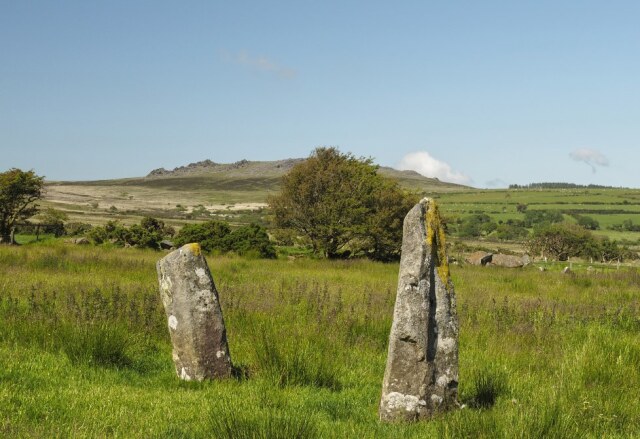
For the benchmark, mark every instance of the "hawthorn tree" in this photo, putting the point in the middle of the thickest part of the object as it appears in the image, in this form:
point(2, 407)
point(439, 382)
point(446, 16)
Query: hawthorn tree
point(342, 205)
point(18, 192)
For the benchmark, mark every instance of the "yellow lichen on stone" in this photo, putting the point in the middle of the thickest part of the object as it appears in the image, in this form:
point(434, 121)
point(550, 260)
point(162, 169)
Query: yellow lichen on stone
point(436, 239)
point(195, 248)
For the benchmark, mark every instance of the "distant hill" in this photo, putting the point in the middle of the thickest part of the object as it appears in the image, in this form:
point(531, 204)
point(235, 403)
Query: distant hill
point(270, 172)
point(222, 187)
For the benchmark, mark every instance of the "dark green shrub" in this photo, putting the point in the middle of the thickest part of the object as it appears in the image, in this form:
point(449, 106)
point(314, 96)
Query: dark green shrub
point(587, 222)
point(76, 229)
point(148, 233)
point(210, 235)
point(509, 232)
point(538, 217)
point(251, 238)
point(476, 225)
point(216, 236)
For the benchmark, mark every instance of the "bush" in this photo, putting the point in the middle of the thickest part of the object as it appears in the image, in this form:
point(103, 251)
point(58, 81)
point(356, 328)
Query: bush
point(148, 233)
point(216, 236)
point(587, 222)
point(251, 238)
point(564, 240)
point(476, 225)
point(77, 229)
point(210, 235)
point(539, 217)
point(509, 232)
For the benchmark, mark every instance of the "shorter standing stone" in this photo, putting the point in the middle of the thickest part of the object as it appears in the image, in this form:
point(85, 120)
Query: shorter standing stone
point(194, 317)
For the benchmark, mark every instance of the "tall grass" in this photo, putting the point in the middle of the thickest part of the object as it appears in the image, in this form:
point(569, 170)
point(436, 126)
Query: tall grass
point(85, 351)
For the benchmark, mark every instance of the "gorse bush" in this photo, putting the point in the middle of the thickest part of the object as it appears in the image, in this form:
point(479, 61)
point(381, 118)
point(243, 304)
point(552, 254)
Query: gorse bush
point(147, 234)
point(217, 237)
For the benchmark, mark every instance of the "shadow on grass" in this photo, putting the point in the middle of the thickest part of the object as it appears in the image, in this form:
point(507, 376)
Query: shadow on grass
point(488, 385)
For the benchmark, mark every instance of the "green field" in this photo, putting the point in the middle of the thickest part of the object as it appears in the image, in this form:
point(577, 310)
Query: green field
point(85, 352)
point(607, 206)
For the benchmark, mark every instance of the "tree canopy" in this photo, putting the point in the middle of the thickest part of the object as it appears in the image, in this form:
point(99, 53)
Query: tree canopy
point(18, 192)
point(564, 240)
point(343, 206)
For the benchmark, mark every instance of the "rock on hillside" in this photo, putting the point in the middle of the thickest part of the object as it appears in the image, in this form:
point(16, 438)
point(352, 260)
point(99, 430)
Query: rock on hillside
point(243, 166)
point(275, 169)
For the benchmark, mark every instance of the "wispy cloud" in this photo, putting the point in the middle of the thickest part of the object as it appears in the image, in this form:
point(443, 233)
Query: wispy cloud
point(259, 63)
point(427, 165)
point(589, 156)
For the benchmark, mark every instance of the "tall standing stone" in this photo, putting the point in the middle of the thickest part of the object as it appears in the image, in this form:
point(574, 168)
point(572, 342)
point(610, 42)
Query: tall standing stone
point(196, 326)
point(421, 377)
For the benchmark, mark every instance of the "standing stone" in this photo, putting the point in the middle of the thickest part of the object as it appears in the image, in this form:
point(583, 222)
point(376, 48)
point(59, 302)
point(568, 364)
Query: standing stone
point(196, 326)
point(421, 377)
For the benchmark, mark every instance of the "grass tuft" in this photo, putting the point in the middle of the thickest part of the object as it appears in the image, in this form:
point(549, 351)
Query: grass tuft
point(488, 385)
point(244, 422)
point(295, 361)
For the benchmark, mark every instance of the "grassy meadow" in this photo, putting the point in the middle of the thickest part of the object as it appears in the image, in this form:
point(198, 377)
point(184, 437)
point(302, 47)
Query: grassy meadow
point(607, 206)
point(85, 350)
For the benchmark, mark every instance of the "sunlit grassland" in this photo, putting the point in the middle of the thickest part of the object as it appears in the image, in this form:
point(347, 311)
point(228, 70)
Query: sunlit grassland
point(85, 352)
point(609, 207)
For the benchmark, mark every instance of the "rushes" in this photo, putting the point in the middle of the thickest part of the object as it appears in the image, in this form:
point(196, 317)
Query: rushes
point(295, 359)
point(238, 421)
point(488, 385)
point(98, 344)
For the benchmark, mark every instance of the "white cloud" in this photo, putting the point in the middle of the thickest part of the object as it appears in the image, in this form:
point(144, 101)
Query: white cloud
point(423, 163)
point(260, 63)
point(589, 156)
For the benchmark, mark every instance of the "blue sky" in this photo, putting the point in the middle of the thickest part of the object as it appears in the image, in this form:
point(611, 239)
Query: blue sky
point(481, 92)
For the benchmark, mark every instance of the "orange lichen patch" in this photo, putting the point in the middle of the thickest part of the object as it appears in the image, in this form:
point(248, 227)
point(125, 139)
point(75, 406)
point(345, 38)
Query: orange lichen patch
point(436, 239)
point(195, 248)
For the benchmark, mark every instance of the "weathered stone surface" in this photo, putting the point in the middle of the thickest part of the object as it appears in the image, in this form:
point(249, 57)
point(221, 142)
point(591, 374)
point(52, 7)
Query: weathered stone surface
point(421, 376)
point(509, 261)
point(479, 258)
point(194, 317)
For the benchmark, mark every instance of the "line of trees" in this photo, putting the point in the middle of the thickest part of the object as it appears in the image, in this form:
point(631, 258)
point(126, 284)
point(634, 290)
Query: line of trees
point(560, 185)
